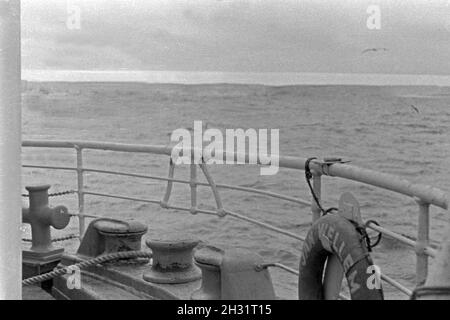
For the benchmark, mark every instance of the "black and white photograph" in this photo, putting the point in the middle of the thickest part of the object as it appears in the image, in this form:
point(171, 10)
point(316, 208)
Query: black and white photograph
point(228, 155)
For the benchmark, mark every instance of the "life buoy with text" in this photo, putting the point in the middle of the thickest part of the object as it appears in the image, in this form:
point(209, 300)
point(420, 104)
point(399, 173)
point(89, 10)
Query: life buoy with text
point(334, 235)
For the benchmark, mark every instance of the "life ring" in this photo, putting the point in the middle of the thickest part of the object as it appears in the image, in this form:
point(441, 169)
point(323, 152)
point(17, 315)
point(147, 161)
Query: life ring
point(335, 235)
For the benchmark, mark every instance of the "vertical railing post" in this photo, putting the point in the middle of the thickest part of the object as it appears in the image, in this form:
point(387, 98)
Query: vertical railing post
point(317, 187)
point(193, 186)
point(10, 161)
point(439, 276)
point(422, 241)
point(80, 182)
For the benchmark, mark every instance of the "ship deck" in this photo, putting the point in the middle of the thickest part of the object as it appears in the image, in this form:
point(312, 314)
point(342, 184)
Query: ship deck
point(35, 293)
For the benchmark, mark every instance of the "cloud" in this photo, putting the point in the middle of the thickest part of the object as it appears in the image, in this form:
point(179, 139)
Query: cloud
point(237, 35)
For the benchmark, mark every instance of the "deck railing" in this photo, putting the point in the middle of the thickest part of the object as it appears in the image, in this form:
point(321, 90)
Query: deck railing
point(423, 195)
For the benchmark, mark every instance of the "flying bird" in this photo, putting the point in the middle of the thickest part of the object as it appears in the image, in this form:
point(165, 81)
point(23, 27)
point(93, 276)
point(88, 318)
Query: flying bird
point(415, 108)
point(373, 50)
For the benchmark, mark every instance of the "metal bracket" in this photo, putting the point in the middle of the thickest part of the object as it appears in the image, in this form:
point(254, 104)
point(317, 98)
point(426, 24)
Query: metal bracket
point(327, 162)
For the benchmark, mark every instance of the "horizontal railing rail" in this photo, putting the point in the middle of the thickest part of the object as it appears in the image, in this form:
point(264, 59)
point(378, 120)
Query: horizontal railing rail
point(422, 194)
point(386, 181)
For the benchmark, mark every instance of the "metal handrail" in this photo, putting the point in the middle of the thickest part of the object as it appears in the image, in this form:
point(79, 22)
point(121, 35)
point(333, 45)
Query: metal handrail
point(202, 184)
point(424, 195)
point(386, 181)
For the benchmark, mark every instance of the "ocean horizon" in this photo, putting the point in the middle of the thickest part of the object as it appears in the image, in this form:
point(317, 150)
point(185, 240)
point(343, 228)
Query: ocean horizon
point(251, 78)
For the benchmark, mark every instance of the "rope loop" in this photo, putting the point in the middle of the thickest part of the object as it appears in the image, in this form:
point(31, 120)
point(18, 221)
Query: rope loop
point(308, 177)
point(308, 173)
point(362, 230)
point(379, 236)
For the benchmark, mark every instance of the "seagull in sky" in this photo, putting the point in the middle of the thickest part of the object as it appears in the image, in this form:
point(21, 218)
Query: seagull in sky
point(373, 50)
point(415, 108)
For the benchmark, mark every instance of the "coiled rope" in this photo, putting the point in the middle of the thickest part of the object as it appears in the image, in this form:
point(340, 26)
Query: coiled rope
point(87, 263)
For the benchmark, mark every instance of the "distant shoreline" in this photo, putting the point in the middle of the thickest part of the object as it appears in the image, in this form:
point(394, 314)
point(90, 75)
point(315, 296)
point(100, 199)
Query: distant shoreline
point(234, 78)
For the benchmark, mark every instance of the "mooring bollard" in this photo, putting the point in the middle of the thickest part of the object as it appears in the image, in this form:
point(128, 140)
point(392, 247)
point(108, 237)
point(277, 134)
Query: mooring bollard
point(105, 235)
point(173, 261)
point(42, 256)
point(234, 274)
point(41, 217)
point(209, 260)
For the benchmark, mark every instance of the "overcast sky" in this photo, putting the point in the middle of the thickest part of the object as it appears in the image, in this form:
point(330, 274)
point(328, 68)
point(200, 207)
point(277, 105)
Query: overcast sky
point(238, 35)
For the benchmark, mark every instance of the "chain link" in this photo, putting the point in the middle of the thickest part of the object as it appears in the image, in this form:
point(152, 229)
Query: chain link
point(68, 237)
point(55, 194)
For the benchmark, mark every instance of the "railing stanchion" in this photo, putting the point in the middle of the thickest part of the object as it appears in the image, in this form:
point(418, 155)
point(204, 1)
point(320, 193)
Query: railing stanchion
point(423, 231)
point(193, 186)
point(317, 186)
point(80, 192)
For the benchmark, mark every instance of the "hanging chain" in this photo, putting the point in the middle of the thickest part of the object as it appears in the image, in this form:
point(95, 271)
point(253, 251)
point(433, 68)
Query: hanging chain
point(55, 194)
